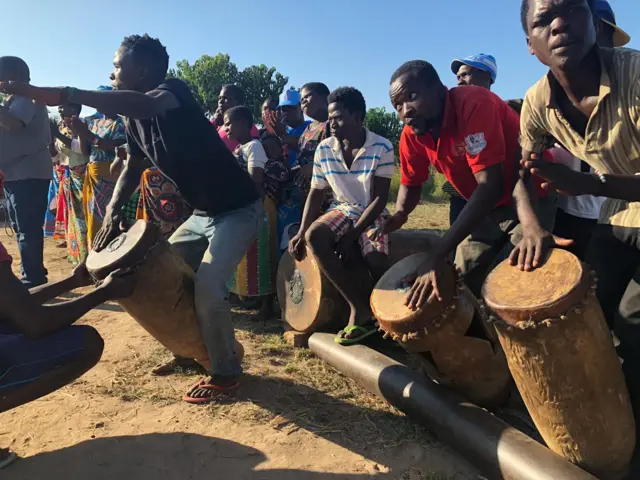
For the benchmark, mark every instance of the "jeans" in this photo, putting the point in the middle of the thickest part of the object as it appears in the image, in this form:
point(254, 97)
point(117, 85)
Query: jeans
point(493, 240)
point(213, 247)
point(27, 205)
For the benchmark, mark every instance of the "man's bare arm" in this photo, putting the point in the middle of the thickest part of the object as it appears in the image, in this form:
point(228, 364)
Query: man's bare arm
point(128, 103)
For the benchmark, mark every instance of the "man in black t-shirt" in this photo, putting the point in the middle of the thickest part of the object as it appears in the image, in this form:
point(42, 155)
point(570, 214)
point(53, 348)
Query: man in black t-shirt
point(166, 126)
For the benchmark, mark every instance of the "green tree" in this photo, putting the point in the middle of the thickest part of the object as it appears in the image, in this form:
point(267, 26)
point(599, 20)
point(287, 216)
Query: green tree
point(208, 74)
point(386, 124)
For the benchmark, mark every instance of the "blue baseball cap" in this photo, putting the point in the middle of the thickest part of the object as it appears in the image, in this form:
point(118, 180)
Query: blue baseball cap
point(289, 98)
point(486, 63)
point(105, 88)
point(605, 13)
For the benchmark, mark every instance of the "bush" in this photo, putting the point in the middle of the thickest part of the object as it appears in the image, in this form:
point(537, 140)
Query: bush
point(431, 191)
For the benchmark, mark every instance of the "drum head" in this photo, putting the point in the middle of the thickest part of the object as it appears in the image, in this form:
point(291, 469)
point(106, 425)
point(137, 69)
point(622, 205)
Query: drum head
point(125, 251)
point(387, 299)
point(299, 286)
point(549, 291)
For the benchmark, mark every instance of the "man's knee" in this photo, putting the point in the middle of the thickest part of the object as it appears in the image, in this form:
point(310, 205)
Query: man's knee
point(93, 345)
point(319, 237)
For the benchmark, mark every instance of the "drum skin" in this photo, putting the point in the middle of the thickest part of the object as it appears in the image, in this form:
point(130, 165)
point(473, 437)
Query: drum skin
point(563, 361)
point(437, 334)
point(163, 301)
point(310, 302)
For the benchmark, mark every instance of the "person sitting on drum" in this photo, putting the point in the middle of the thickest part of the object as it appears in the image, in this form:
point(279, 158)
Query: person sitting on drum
point(357, 166)
point(471, 136)
point(40, 348)
point(166, 126)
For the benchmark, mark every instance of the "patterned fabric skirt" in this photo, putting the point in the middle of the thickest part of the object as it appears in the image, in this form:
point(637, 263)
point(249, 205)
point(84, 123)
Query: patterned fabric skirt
point(62, 210)
point(76, 222)
point(97, 192)
point(52, 203)
point(161, 202)
point(256, 273)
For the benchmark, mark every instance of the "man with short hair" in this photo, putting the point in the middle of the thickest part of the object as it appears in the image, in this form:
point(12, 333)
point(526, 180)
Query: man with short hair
point(471, 136)
point(25, 136)
point(166, 126)
point(588, 102)
point(357, 166)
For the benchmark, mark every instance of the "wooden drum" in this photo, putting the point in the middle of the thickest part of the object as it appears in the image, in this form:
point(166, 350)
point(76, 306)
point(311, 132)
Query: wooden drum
point(309, 301)
point(163, 299)
point(562, 358)
point(449, 337)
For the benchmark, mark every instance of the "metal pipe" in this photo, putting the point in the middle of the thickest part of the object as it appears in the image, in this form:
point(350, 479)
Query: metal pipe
point(497, 449)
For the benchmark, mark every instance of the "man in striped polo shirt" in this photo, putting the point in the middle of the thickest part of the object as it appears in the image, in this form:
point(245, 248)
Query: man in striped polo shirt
point(357, 166)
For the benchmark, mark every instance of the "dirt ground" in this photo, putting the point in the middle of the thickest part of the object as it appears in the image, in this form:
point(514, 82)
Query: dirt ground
point(294, 417)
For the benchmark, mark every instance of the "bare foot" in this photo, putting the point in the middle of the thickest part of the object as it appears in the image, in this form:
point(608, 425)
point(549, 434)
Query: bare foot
point(177, 365)
point(359, 317)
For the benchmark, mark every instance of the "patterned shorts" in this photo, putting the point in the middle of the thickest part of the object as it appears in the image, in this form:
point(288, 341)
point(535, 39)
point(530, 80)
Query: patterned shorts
point(340, 223)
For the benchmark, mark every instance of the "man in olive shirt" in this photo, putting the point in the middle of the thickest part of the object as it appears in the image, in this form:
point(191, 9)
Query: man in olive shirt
point(588, 103)
point(25, 162)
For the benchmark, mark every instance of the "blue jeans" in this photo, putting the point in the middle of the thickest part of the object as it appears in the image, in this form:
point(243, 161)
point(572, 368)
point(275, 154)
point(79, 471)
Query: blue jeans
point(27, 204)
point(214, 246)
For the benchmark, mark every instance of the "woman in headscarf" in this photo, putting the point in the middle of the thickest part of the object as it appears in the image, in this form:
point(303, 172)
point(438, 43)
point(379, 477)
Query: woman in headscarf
point(107, 134)
point(73, 145)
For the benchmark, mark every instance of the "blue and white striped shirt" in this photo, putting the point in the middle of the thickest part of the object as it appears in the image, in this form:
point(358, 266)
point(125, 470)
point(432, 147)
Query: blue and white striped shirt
point(352, 188)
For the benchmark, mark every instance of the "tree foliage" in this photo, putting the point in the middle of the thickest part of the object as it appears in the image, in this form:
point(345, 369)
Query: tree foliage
point(208, 74)
point(386, 124)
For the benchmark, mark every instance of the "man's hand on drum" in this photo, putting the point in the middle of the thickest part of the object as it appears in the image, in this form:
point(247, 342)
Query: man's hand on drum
point(529, 252)
point(391, 224)
point(297, 246)
point(119, 284)
point(82, 276)
point(425, 285)
point(112, 226)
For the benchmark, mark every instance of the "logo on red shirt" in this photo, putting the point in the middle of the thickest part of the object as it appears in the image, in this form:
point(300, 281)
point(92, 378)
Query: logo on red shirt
point(475, 143)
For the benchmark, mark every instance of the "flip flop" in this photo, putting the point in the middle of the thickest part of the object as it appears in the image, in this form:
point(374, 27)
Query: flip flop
point(367, 331)
point(7, 457)
point(217, 391)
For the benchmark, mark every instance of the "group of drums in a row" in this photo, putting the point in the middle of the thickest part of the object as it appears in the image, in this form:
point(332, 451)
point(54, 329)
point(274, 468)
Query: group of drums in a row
point(543, 329)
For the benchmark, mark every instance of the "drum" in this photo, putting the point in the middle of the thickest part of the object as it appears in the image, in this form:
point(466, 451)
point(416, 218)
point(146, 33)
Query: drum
point(309, 301)
point(563, 361)
point(449, 337)
point(163, 299)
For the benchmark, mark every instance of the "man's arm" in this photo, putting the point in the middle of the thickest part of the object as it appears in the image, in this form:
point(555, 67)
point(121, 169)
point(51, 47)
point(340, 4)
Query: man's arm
point(482, 201)
point(375, 208)
point(408, 199)
point(312, 208)
point(128, 103)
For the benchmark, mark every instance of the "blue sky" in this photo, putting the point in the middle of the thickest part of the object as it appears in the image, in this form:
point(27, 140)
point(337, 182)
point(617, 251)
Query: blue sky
point(338, 42)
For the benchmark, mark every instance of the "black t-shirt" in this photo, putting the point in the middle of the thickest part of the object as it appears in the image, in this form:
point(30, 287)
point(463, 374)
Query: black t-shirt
point(184, 145)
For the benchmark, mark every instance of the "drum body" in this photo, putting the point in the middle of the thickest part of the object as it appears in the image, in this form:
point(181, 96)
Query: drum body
point(309, 301)
point(449, 338)
point(562, 358)
point(163, 301)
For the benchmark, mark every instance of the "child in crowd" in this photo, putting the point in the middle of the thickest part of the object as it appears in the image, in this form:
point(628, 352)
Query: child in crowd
point(256, 273)
point(357, 166)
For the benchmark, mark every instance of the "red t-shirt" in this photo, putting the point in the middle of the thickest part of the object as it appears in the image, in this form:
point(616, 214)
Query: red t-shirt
point(4, 255)
point(479, 130)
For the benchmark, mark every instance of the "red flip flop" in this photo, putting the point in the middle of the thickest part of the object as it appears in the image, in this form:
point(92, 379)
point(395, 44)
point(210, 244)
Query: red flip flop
point(216, 391)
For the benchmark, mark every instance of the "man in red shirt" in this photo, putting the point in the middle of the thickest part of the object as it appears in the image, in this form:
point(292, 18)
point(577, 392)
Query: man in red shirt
point(471, 136)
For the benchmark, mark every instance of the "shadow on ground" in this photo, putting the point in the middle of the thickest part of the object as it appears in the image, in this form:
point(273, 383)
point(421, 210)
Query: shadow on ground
point(175, 456)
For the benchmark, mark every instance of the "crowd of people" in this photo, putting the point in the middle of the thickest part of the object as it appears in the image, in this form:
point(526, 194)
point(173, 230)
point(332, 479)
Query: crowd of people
point(231, 197)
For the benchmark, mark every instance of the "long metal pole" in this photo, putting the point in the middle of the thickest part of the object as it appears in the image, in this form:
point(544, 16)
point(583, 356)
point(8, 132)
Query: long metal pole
point(497, 449)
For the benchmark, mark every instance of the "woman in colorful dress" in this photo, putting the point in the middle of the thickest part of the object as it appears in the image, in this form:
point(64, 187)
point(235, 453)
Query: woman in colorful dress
point(107, 134)
point(50, 230)
point(73, 144)
point(256, 273)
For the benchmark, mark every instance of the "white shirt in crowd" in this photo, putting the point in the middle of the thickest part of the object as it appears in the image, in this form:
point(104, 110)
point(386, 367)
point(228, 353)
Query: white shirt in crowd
point(352, 187)
point(253, 154)
point(582, 206)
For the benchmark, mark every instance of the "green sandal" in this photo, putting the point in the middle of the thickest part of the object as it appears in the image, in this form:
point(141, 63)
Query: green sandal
point(367, 331)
